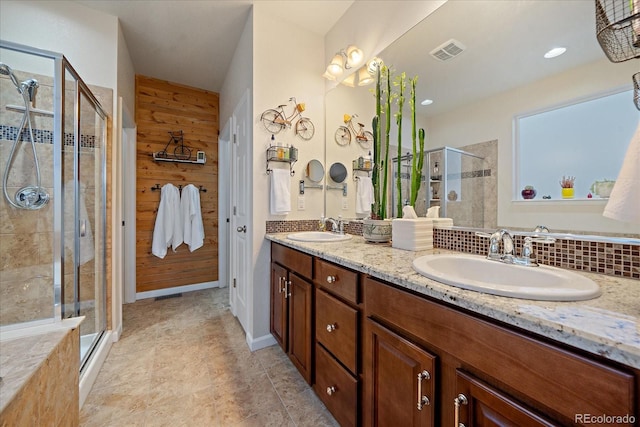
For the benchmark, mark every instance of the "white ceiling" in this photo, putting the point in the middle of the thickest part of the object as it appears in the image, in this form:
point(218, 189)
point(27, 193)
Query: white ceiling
point(192, 42)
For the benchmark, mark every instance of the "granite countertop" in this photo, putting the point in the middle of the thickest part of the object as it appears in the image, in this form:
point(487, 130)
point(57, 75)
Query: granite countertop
point(608, 326)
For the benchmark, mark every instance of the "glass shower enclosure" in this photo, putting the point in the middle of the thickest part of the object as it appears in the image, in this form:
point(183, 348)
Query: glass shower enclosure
point(452, 179)
point(53, 207)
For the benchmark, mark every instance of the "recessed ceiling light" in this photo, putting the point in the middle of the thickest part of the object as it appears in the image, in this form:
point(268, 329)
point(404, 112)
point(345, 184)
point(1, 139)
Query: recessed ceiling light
point(427, 102)
point(556, 51)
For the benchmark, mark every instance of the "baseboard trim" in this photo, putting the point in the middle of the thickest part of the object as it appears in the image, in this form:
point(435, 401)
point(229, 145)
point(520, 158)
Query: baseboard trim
point(177, 290)
point(261, 342)
point(92, 369)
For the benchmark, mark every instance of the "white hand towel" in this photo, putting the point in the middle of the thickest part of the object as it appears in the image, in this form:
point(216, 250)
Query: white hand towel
point(192, 217)
point(624, 201)
point(280, 192)
point(168, 230)
point(364, 195)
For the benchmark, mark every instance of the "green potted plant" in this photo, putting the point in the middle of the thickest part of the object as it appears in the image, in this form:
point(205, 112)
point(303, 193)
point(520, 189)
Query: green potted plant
point(378, 228)
point(410, 228)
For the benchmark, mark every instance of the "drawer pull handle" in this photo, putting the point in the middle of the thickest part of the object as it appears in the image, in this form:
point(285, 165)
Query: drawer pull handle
point(331, 327)
point(460, 400)
point(331, 390)
point(280, 287)
point(422, 400)
point(332, 279)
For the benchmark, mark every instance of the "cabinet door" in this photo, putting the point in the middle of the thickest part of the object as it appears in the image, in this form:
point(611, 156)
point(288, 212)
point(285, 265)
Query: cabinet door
point(300, 333)
point(399, 380)
point(480, 405)
point(278, 318)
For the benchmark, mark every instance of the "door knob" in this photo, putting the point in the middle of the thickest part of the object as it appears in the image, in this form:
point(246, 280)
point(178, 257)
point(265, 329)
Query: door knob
point(242, 229)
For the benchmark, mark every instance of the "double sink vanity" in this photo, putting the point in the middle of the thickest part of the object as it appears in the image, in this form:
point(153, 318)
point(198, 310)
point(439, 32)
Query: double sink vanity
point(384, 340)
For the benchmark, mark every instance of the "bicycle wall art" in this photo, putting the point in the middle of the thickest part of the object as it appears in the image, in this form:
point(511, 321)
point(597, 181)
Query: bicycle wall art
point(277, 119)
point(343, 134)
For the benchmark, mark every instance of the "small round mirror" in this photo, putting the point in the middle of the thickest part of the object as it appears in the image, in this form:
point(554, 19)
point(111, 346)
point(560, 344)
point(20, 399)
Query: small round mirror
point(338, 172)
point(315, 170)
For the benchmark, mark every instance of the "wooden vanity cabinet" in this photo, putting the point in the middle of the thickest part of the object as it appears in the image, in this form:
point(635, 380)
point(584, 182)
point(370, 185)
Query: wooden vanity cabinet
point(479, 404)
point(291, 305)
point(507, 378)
point(380, 355)
point(400, 386)
point(337, 334)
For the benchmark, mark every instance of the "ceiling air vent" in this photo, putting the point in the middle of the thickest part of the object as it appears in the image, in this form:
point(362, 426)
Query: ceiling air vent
point(448, 50)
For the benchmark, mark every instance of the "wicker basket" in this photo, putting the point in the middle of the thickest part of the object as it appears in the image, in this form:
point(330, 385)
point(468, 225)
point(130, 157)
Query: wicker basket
point(618, 28)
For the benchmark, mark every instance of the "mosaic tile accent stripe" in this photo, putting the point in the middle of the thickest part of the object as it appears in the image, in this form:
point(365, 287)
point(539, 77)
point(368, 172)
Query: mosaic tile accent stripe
point(611, 259)
point(291, 226)
point(459, 175)
point(44, 136)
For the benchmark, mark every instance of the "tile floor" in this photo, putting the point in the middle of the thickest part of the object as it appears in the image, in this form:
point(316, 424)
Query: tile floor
point(184, 362)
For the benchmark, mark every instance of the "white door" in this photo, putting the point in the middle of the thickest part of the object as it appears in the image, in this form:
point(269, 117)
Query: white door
point(241, 232)
point(129, 213)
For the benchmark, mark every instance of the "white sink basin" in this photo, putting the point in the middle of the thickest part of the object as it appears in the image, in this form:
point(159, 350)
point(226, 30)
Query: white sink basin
point(477, 273)
point(318, 236)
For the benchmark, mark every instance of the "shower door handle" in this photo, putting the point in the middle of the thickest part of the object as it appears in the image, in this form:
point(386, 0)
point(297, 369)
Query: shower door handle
point(83, 228)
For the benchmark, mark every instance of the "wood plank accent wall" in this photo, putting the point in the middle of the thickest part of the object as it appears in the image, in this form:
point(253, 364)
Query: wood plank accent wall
point(161, 107)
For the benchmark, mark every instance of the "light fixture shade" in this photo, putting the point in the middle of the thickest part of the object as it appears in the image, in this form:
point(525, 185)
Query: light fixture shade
point(373, 64)
point(336, 66)
point(350, 80)
point(364, 78)
point(354, 56)
point(327, 75)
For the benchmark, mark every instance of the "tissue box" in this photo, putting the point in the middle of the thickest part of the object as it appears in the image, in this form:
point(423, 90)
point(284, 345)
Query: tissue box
point(412, 234)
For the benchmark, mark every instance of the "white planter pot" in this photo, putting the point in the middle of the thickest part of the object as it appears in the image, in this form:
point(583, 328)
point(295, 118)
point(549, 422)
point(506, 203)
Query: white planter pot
point(376, 230)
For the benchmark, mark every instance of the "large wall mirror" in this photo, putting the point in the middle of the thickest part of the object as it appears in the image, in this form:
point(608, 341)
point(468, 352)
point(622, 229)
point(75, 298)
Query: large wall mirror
point(499, 75)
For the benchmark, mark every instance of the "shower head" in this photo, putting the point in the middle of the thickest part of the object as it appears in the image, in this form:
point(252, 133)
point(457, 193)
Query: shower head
point(7, 71)
point(31, 87)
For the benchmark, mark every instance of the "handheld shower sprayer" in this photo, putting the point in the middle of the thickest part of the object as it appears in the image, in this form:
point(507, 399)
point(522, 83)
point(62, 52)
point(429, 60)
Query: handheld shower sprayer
point(32, 196)
point(7, 71)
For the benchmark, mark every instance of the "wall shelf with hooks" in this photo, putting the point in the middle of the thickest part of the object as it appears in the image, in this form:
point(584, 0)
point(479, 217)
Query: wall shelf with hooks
point(157, 187)
point(282, 155)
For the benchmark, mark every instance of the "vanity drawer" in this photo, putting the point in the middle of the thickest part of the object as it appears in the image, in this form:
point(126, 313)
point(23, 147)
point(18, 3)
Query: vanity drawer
point(337, 329)
point(337, 280)
point(296, 261)
point(337, 389)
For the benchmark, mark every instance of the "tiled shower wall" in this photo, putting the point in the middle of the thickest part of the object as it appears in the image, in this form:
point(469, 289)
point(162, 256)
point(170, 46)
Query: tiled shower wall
point(26, 237)
point(26, 267)
point(612, 259)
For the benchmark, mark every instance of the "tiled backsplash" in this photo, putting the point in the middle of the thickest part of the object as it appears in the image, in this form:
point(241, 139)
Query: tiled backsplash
point(612, 259)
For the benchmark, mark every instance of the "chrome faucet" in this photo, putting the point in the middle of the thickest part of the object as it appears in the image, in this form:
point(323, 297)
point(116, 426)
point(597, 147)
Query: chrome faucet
point(336, 226)
point(508, 254)
point(496, 238)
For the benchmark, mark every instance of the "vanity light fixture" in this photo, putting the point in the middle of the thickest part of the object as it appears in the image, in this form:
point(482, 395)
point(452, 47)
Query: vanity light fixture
point(364, 77)
point(345, 59)
point(354, 56)
point(556, 51)
point(350, 80)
